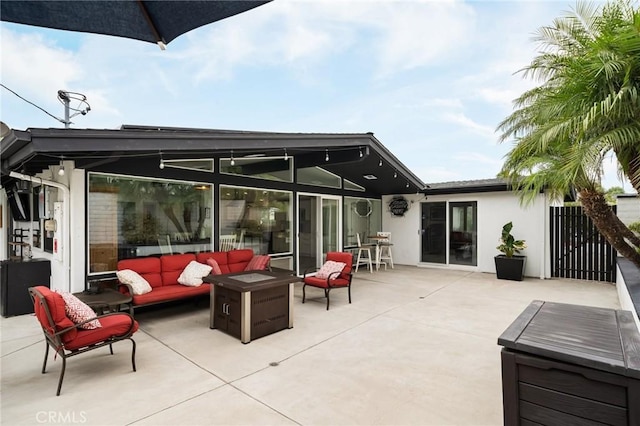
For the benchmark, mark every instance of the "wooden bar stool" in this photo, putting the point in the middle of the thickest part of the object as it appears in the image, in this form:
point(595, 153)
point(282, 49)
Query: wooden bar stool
point(384, 249)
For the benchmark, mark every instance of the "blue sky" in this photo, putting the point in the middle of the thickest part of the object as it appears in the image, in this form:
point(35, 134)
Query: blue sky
point(431, 79)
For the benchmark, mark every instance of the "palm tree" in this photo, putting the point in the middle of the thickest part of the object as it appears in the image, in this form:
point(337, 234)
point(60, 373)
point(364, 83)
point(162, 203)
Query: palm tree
point(587, 107)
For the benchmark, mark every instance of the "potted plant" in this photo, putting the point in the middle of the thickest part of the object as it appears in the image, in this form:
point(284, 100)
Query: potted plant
point(510, 266)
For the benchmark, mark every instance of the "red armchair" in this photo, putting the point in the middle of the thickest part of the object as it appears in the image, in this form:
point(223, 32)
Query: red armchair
point(69, 339)
point(339, 279)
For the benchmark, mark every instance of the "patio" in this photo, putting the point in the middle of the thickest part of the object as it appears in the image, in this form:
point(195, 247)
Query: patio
point(417, 346)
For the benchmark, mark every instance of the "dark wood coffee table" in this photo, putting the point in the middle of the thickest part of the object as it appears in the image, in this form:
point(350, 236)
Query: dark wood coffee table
point(107, 300)
point(253, 304)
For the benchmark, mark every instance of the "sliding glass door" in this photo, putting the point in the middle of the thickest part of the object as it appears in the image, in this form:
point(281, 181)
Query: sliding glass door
point(449, 233)
point(319, 229)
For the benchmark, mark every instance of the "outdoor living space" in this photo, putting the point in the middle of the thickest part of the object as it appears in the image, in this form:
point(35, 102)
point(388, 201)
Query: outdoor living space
point(416, 346)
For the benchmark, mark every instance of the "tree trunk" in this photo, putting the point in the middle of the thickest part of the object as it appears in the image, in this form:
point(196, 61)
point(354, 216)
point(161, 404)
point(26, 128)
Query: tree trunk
point(596, 207)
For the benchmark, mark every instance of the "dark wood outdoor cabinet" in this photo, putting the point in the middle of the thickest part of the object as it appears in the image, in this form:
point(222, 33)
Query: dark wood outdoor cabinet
point(15, 279)
point(227, 311)
point(571, 365)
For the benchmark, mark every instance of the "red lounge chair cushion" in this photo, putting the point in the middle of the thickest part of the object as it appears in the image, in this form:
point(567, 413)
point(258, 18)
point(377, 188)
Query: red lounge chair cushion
point(112, 325)
point(322, 282)
point(56, 305)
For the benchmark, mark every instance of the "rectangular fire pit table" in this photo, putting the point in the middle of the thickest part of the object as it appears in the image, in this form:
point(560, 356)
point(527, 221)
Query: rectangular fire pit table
point(249, 305)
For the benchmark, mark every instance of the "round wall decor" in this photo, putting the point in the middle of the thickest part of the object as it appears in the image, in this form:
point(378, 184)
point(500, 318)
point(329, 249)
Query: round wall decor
point(398, 206)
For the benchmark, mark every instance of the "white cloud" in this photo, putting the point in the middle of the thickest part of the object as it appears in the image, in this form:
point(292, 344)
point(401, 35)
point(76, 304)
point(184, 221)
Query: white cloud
point(36, 68)
point(460, 119)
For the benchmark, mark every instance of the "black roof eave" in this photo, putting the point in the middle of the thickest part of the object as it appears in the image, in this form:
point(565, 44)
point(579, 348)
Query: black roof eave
point(54, 144)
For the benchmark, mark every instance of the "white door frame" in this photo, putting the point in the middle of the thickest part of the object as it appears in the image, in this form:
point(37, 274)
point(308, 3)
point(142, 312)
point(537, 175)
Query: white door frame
point(319, 230)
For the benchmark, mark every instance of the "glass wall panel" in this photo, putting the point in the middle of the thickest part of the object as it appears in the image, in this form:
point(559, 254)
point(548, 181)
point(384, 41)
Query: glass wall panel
point(317, 176)
point(259, 218)
point(463, 233)
point(362, 216)
point(271, 168)
point(133, 217)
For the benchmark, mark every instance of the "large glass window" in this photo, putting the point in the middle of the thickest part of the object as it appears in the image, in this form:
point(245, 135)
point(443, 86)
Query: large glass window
point(361, 216)
point(258, 218)
point(270, 168)
point(318, 177)
point(132, 217)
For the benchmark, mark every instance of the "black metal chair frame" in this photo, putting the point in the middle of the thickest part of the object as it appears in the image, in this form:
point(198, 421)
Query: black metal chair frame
point(55, 340)
point(327, 289)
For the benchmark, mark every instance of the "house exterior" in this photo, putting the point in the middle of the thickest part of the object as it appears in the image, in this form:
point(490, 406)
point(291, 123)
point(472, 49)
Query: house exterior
point(87, 198)
point(92, 197)
point(458, 224)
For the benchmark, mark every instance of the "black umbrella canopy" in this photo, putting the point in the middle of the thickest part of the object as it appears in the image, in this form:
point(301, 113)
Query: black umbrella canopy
point(159, 21)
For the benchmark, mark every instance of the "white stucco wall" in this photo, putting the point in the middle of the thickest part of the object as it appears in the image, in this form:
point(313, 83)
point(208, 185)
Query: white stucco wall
point(494, 210)
point(628, 208)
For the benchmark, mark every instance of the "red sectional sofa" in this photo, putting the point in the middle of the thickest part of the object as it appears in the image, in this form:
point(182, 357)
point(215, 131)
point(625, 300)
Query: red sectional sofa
point(162, 274)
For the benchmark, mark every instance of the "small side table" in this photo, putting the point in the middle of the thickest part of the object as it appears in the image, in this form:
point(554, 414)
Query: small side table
point(107, 300)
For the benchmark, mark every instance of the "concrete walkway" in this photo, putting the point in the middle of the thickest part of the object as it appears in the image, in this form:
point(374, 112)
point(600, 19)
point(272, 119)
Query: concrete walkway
point(416, 346)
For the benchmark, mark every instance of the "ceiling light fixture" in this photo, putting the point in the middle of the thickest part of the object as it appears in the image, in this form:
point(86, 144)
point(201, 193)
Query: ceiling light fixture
point(286, 156)
point(361, 154)
point(61, 169)
point(407, 184)
point(161, 165)
point(326, 156)
point(232, 162)
point(395, 174)
point(380, 163)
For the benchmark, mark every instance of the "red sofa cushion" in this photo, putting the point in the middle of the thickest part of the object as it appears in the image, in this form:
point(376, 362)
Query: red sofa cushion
point(237, 260)
point(147, 267)
point(173, 265)
point(171, 292)
point(218, 256)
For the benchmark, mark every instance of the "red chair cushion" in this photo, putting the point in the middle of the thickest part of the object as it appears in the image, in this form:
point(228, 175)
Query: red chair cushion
point(322, 282)
point(56, 305)
point(339, 256)
point(112, 325)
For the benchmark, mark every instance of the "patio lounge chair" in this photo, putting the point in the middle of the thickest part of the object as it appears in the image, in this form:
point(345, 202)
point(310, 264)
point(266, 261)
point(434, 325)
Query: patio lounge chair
point(68, 338)
point(337, 279)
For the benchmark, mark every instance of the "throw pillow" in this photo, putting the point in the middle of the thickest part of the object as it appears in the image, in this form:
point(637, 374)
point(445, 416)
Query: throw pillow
point(78, 311)
point(330, 267)
point(215, 268)
point(137, 283)
point(193, 273)
point(258, 263)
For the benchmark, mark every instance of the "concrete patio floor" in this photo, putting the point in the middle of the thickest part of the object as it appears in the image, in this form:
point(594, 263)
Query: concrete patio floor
point(416, 346)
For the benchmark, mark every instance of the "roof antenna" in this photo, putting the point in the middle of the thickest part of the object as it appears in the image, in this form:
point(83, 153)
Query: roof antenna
point(66, 97)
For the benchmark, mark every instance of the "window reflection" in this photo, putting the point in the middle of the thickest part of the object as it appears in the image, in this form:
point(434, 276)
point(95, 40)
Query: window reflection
point(133, 217)
point(362, 216)
point(260, 219)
